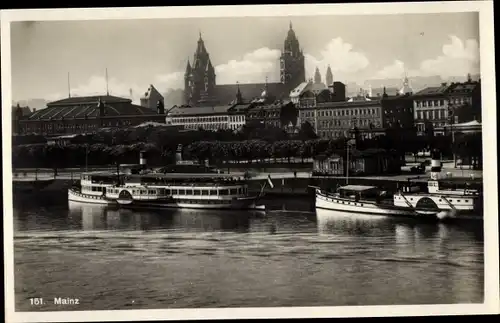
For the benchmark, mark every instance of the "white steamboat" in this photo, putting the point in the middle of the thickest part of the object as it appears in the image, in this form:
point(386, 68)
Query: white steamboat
point(438, 200)
point(171, 190)
point(359, 199)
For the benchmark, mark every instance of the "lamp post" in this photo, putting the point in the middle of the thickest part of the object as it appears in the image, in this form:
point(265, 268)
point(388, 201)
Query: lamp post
point(451, 117)
point(86, 157)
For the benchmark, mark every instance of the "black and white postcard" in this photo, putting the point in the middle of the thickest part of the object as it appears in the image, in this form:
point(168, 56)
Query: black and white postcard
point(278, 161)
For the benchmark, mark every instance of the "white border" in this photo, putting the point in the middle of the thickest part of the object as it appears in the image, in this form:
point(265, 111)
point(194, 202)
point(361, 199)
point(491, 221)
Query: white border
point(485, 8)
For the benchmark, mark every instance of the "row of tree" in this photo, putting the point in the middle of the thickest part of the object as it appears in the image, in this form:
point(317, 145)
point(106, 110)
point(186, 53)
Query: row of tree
point(217, 151)
point(164, 135)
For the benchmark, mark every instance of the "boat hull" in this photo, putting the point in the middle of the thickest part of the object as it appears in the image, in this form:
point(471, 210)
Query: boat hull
point(330, 202)
point(236, 204)
point(464, 207)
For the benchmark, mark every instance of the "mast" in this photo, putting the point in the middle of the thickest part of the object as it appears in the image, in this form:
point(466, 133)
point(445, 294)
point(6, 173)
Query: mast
point(118, 173)
point(69, 88)
point(107, 89)
point(347, 166)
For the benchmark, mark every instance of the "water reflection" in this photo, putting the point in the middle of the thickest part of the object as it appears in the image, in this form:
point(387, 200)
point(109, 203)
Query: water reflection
point(343, 223)
point(95, 217)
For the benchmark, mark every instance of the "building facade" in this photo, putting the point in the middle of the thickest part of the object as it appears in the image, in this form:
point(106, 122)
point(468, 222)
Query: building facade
point(336, 119)
point(201, 88)
point(77, 115)
point(208, 118)
point(151, 98)
point(439, 107)
point(465, 101)
point(397, 111)
point(310, 93)
point(19, 113)
point(279, 114)
point(361, 163)
point(430, 108)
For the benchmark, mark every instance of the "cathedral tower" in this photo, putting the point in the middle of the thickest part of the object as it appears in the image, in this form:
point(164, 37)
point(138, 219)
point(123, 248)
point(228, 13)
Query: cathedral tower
point(317, 76)
point(292, 67)
point(329, 76)
point(199, 78)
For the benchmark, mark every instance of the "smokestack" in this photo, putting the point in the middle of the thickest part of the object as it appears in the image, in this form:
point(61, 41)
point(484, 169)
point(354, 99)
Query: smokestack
point(435, 165)
point(178, 154)
point(142, 158)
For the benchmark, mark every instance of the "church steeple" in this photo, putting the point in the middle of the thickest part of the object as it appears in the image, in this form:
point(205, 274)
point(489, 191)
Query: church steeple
point(292, 62)
point(201, 46)
point(239, 97)
point(317, 76)
point(199, 85)
point(188, 68)
point(209, 68)
point(329, 76)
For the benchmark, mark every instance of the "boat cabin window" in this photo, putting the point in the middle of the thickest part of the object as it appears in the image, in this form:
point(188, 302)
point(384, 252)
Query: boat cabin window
point(204, 192)
point(363, 193)
point(196, 192)
point(168, 191)
point(182, 192)
point(213, 192)
point(223, 192)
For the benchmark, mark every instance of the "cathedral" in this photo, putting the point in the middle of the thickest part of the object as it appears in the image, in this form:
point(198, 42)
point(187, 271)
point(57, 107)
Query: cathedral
point(201, 89)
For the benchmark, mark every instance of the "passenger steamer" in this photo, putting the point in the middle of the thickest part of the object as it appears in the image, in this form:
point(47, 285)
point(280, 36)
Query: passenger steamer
point(171, 190)
point(360, 199)
point(438, 200)
point(410, 200)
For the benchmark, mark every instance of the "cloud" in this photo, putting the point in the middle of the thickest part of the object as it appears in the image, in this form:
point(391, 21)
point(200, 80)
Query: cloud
point(252, 68)
point(256, 65)
point(343, 61)
point(173, 80)
point(458, 59)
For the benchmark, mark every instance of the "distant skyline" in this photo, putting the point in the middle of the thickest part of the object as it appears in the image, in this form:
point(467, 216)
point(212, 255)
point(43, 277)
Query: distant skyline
point(155, 51)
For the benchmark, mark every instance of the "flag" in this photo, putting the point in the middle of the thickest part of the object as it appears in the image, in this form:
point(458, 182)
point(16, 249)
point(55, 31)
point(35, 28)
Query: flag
point(270, 181)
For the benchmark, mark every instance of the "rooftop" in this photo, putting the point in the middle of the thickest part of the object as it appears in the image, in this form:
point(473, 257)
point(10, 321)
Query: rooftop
point(357, 188)
point(226, 93)
point(89, 110)
point(433, 91)
point(190, 111)
point(349, 104)
point(89, 99)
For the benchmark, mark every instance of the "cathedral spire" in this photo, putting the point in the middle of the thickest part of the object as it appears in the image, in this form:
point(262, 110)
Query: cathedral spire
point(291, 28)
point(209, 67)
point(239, 97)
point(188, 68)
point(201, 50)
point(329, 76)
point(317, 76)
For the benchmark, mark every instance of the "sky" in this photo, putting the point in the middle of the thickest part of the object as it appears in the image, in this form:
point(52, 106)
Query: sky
point(140, 52)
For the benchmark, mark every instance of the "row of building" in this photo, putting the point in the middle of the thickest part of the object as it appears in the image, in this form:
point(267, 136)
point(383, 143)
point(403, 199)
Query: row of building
point(330, 116)
point(287, 104)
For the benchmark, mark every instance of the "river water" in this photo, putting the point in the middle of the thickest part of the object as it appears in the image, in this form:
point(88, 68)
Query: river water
point(117, 259)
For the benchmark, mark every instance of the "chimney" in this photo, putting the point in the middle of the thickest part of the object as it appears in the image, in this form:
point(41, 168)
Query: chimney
point(178, 155)
point(444, 84)
point(435, 165)
point(142, 159)
point(160, 108)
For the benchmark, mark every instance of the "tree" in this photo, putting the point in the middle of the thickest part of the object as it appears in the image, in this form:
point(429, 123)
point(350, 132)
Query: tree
point(307, 131)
